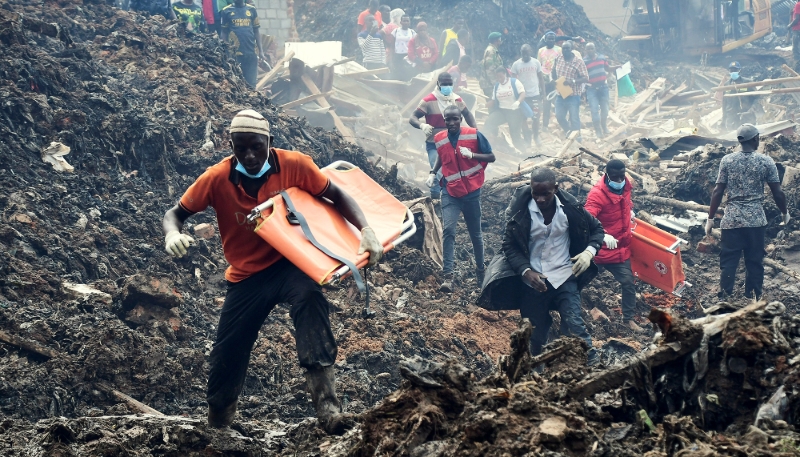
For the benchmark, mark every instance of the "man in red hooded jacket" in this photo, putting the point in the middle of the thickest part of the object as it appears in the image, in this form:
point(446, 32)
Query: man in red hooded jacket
point(610, 202)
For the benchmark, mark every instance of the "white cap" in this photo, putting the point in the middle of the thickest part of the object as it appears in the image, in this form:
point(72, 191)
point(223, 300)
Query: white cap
point(249, 121)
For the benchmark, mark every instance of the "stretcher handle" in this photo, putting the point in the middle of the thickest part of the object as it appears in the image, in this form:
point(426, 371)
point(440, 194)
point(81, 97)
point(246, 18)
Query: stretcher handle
point(340, 163)
point(408, 229)
point(652, 243)
point(671, 249)
point(255, 213)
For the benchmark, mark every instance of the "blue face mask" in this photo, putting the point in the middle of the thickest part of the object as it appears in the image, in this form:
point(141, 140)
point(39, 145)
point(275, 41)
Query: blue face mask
point(446, 90)
point(615, 185)
point(264, 169)
point(734, 75)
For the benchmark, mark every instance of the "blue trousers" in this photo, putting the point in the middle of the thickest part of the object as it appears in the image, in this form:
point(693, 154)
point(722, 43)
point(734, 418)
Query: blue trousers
point(571, 107)
point(436, 190)
point(598, 105)
point(470, 206)
point(624, 275)
point(566, 300)
point(249, 64)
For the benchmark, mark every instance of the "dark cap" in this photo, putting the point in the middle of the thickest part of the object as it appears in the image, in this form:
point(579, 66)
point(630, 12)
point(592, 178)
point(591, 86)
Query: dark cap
point(734, 64)
point(746, 132)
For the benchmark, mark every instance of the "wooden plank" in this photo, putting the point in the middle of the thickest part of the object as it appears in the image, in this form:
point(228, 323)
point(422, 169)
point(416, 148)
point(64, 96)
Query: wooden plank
point(346, 132)
point(678, 203)
point(333, 64)
point(743, 41)
point(314, 90)
point(636, 38)
point(765, 82)
point(793, 73)
point(275, 70)
point(788, 90)
point(135, 404)
point(304, 100)
point(346, 104)
point(665, 99)
point(658, 84)
point(28, 345)
point(327, 79)
point(361, 74)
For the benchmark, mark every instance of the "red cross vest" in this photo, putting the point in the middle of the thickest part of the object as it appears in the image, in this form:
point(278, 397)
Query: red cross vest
point(462, 176)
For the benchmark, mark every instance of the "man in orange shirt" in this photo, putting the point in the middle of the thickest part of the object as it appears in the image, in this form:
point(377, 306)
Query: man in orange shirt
point(259, 277)
point(371, 11)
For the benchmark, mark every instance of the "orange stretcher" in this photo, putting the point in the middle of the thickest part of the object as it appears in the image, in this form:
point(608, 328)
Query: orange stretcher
point(277, 224)
point(656, 258)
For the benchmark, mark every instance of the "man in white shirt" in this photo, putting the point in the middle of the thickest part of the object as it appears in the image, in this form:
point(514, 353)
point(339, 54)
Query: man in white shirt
point(546, 259)
point(504, 108)
point(402, 35)
point(529, 72)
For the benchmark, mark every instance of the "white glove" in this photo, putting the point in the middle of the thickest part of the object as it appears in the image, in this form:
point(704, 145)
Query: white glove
point(633, 216)
point(709, 226)
point(786, 218)
point(177, 243)
point(431, 180)
point(465, 153)
point(427, 129)
point(515, 105)
point(370, 243)
point(610, 241)
point(582, 262)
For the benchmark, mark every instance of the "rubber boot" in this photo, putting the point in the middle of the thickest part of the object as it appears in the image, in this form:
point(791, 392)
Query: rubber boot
point(448, 285)
point(221, 417)
point(320, 383)
point(479, 275)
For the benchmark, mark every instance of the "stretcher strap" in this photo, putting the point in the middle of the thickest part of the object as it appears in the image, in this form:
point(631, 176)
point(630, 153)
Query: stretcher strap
point(295, 215)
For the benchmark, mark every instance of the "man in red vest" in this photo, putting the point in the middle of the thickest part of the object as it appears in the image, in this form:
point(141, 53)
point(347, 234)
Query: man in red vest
point(610, 202)
point(463, 154)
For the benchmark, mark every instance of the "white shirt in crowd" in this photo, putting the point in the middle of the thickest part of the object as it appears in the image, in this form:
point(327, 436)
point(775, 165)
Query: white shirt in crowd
point(401, 39)
point(528, 75)
point(505, 93)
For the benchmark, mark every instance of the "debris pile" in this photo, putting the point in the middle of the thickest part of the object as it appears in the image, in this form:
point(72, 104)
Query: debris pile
point(100, 326)
point(721, 385)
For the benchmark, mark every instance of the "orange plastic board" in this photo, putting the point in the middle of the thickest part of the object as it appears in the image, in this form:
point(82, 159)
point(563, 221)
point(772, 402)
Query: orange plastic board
point(654, 260)
point(384, 213)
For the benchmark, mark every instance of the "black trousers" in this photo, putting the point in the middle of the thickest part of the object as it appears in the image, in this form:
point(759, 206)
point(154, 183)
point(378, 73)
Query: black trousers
point(566, 300)
point(247, 305)
point(734, 243)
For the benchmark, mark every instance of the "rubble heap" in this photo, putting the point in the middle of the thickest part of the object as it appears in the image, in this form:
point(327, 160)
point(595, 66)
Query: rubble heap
point(99, 324)
point(722, 385)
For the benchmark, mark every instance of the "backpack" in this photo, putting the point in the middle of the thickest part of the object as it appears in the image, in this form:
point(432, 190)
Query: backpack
point(524, 107)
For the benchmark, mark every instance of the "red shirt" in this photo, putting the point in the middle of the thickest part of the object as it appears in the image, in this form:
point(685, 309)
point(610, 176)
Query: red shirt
point(220, 188)
point(419, 51)
point(795, 14)
point(363, 16)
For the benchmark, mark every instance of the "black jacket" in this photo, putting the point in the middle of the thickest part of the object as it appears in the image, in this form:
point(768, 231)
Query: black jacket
point(503, 287)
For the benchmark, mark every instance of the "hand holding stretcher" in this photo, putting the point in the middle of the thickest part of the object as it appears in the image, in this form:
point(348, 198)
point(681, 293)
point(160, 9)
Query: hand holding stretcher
point(315, 237)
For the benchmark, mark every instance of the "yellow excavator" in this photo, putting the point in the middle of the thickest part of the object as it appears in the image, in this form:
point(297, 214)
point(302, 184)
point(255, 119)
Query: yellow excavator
point(696, 27)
